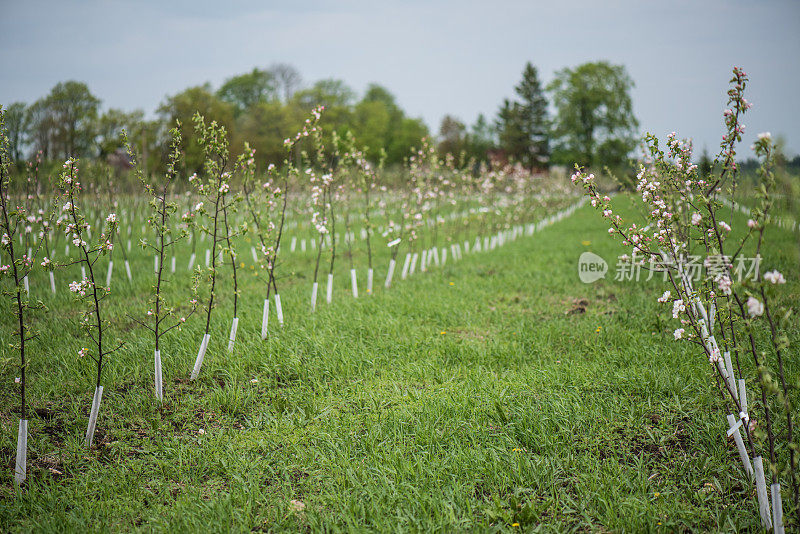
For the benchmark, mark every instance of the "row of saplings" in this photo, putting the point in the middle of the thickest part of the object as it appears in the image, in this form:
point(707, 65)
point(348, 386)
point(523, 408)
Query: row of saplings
point(265, 204)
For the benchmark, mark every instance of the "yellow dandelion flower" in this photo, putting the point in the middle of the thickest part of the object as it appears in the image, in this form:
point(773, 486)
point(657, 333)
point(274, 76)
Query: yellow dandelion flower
point(586, 243)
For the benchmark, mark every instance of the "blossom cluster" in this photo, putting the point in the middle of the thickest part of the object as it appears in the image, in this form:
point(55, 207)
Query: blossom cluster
point(79, 287)
point(682, 213)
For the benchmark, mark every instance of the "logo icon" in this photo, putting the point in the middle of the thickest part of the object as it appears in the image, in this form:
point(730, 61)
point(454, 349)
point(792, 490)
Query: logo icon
point(591, 267)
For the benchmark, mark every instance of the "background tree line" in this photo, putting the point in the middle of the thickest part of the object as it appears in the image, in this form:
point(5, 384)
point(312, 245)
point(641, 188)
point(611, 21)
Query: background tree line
point(263, 107)
point(584, 115)
point(592, 121)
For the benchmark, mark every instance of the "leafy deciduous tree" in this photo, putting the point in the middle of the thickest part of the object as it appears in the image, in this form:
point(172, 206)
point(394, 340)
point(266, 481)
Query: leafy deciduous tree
point(246, 90)
point(74, 109)
point(15, 129)
point(452, 136)
point(594, 120)
point(183, 106)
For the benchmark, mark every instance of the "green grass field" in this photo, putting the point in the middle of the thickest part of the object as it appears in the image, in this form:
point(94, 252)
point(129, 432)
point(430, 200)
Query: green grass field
point(498, 393)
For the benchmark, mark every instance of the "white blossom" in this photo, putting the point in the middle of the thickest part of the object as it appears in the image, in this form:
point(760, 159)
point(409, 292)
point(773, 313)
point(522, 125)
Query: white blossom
point(754, 307)
point(775, 277)
point(677, 307)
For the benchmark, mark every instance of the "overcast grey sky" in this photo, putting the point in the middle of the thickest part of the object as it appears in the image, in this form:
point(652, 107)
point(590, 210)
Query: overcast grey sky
point(438, 57)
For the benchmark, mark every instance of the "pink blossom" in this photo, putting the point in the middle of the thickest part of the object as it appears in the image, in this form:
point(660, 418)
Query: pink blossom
point(724, 284)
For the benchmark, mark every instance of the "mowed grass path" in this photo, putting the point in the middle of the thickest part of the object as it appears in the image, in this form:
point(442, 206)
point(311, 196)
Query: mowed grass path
point(497, 394)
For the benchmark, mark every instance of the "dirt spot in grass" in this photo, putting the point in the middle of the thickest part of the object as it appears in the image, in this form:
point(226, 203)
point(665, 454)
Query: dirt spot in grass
point(606, 299)
point(481, 491)
point(473, 334)
point(100, 442)
point(602, 294)
point(283, 381)
point(639, 446)
point(207, 420)
point(510, 299)
point(280, 378)
point(514, 303)
point(124, 387)
point(47, 466)
point(47, 412)
point(183, 383)
point(213, 488)
point(176, 488)
point(680, 440)
point(50, 463)
point(297, 475)
point(597, 304)
point(56, 431)
point(136, 428)
point(577, 306)
point(626, 442)
point(52, 421)
point(709, 487)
